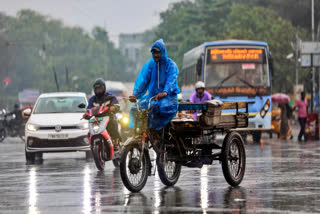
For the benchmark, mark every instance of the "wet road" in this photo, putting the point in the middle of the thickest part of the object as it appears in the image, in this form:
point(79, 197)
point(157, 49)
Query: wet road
point(281, 177)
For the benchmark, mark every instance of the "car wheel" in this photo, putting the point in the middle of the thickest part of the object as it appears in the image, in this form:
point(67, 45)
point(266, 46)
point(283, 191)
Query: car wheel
point(88, 156)
point(30, 157)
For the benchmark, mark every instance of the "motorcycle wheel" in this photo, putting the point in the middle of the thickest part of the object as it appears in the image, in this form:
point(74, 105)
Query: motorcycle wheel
point(133, 169)
point(233, 158)
point(2, 135)
point(168, 171)
point(97, 151)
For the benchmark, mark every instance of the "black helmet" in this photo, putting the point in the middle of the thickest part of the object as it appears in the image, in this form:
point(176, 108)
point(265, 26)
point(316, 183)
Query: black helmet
point(99, 87)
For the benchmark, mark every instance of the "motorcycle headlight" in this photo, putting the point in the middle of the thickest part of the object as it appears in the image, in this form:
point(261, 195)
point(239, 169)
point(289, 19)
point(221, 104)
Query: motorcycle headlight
point(125, 120)
point(84, 126)
point(32, 127)
point(96, 128)
point(119, 116)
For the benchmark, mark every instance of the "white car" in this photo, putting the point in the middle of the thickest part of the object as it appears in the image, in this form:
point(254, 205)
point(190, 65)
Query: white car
point(55, 125)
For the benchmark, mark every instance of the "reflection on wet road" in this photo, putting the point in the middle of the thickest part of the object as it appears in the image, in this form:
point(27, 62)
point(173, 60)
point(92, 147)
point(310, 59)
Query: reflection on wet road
point(281, 176)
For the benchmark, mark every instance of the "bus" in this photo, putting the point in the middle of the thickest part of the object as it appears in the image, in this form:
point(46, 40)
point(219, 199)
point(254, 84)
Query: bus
point(233, 70)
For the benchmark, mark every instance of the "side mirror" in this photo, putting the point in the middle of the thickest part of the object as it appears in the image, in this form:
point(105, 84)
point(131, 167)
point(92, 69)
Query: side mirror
point(27, 112)
point(81, 105)
point(199, 66)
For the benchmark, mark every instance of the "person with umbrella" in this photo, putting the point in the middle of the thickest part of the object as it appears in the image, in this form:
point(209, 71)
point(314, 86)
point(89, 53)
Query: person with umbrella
point(286, 113)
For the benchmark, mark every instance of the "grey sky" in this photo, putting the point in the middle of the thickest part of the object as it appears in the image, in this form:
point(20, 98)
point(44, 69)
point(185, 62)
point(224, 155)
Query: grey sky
point(118, 16)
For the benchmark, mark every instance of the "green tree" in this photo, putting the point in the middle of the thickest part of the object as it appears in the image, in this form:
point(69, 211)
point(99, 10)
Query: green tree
point(38, 43)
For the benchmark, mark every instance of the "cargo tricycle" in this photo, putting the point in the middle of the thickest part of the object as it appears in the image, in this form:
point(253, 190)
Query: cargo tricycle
point(186, 142)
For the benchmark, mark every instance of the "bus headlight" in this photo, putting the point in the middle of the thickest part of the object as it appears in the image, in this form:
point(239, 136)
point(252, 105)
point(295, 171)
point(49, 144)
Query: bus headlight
point(262, 113)
point(265, 109)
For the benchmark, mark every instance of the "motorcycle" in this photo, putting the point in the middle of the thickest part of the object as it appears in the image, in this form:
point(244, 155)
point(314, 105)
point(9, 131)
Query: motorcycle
point(102, 146)
point(11, 127)
point(2, 125)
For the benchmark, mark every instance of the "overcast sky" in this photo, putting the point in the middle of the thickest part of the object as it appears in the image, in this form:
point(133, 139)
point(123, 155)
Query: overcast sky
point(118, 16)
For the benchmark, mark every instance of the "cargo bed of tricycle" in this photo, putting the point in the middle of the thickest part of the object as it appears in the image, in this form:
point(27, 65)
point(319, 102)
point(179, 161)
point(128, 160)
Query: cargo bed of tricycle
point(230, 115)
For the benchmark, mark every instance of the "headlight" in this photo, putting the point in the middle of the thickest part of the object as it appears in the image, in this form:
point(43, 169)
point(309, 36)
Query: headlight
point(95, 128)
point(125, 120)
point(119, 116)
point(84, 126)
point(33, 128)
point(265, 109)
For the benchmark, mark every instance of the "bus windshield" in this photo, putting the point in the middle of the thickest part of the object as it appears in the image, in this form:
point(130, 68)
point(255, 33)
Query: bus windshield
point(236, 67)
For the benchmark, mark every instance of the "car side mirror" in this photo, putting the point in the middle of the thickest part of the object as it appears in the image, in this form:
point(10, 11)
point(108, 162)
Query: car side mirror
point(199, 66)
point(27, 112)
point(81, 105)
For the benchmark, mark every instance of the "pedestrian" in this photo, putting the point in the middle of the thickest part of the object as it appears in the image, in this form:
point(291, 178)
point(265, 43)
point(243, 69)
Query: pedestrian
point(302, 106)
point(285, 128)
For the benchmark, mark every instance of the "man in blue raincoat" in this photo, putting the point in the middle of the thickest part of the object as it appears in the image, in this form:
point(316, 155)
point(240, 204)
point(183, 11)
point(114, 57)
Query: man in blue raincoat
point(158, 77)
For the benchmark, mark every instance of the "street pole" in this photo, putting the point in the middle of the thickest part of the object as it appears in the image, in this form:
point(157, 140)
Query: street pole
point(313, 69)
point(297, 63)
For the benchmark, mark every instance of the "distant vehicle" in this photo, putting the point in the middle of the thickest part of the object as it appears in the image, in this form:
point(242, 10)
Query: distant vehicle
point(55, 125)
point(10, 126)
point(233, 70)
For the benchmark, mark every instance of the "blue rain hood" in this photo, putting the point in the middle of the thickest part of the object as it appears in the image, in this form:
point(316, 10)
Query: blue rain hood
point(156, 77)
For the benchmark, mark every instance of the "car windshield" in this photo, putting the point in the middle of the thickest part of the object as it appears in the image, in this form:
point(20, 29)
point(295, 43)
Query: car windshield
point(59, 105)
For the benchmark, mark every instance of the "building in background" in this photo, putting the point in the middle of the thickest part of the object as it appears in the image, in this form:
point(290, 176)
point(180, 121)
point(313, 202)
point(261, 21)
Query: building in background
point(130, 45)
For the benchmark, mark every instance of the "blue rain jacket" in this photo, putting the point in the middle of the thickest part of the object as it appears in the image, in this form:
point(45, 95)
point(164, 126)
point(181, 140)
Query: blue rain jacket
point(156, 77)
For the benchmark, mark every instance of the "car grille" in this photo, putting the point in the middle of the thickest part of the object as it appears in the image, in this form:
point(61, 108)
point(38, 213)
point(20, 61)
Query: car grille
point(45, 143)
point(62, 127)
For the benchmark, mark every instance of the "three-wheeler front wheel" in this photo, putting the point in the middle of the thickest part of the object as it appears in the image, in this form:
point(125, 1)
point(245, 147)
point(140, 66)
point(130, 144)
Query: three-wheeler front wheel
point(134, 167)
point(233, 158)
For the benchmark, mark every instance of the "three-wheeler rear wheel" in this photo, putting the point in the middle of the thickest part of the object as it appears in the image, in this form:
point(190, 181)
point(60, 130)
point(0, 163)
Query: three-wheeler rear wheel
point(233, 158)
point(168, 171)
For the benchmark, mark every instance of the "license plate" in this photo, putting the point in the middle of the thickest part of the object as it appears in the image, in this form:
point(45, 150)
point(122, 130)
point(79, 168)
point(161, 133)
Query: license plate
point(58, 136)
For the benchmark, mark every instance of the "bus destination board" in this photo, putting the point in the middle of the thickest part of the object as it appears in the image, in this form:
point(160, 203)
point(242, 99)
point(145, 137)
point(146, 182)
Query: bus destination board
point(220, 55)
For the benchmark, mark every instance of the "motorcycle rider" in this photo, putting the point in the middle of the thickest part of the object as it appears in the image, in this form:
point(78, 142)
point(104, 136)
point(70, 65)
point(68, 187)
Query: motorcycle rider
point(102, 98)
point(199, 96)
point(17, 116)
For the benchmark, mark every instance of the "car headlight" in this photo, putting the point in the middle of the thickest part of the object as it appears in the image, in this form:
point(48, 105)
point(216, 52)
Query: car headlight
point(96, 128)
point(84, 126)
point(32, 127)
